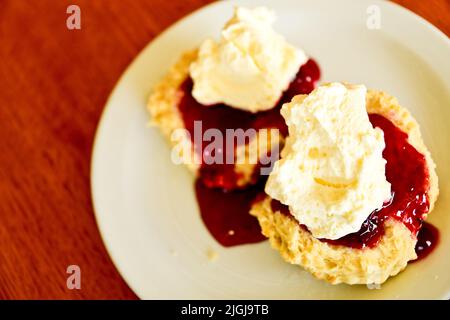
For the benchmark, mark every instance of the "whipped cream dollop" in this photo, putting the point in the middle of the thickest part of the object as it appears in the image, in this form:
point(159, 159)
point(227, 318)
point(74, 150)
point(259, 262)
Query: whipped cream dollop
point(249, 67)
point(331, 173)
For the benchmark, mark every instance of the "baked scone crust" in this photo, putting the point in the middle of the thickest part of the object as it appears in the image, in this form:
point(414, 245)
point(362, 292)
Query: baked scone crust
point(339, 264)
point(163, 102)
point(163, 108)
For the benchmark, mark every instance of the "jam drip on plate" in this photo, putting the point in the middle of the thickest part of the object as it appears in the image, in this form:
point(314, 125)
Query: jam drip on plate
point(407, 171)
point(427, 240)
point(226, 214)
point(224, 208)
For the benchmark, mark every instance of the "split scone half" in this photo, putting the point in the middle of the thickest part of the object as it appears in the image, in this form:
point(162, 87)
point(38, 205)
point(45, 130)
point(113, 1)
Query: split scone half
point(234, 85)
point(344, 264)
point(163, 107)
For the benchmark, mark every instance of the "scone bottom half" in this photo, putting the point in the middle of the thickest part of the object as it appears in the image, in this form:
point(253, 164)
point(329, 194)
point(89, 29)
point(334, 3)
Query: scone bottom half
point(386, 242)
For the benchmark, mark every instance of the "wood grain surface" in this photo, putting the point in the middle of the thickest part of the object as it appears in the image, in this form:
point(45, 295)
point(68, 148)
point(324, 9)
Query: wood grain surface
point(53, 85)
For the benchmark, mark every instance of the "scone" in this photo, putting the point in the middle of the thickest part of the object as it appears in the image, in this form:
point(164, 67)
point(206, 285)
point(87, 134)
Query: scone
point(387, 238)
point(220, 86)
point(165, 114)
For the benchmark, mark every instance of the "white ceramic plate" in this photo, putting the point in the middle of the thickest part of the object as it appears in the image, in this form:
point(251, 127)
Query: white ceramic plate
point(145, 205)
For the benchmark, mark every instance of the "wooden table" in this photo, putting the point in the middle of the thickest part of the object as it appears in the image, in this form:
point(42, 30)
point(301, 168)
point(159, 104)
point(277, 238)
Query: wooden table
point(54, 84)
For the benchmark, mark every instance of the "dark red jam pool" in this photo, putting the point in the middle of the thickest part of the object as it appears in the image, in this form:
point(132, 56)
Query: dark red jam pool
point(427, 240)
point(407, 172)
point(222, 117)
point(226, 214)
point(223, 205)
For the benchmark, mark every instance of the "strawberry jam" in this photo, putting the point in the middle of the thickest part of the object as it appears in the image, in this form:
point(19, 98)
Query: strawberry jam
point(407, 171)
point(224, 207)
point(222, 117)
point(226, 214)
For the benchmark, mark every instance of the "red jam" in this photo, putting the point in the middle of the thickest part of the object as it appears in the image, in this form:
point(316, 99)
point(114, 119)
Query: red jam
point(224, 208)
point(427, 240)
point(407, 172)
point(222, 117)
point(226, 214)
